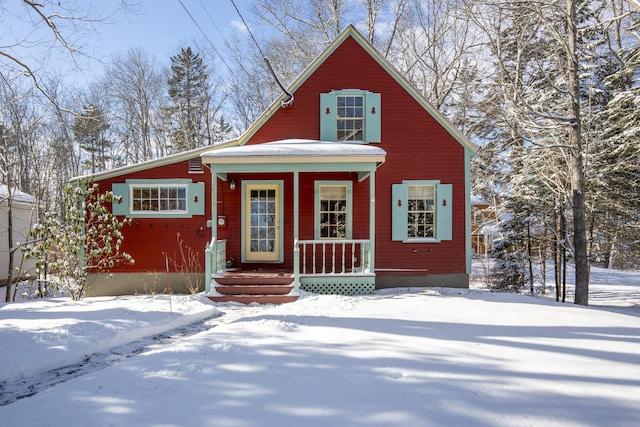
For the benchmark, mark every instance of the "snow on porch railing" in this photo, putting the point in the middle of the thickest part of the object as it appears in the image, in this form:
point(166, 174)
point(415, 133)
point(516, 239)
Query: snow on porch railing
point(215, 255)
point(333, 256)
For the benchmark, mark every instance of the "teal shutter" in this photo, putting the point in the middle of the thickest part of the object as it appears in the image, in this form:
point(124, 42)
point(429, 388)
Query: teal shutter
point(120, 190)
point(196, 201)
point(444, 204)
point(328, 126)
point(399, 212)
point(372, 118)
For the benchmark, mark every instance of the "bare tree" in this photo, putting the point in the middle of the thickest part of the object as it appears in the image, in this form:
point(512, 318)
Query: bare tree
point(56, 29)
point(135, 85)
point(550, 58)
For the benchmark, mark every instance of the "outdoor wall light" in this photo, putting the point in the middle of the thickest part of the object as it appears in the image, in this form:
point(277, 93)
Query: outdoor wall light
point(232, 184)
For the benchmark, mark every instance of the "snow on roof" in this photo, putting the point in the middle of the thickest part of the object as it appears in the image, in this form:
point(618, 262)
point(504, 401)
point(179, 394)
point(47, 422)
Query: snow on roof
point(296, 148)
point(18, 195)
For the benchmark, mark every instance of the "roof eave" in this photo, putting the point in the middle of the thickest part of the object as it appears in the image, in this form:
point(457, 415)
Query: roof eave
point(148, 164)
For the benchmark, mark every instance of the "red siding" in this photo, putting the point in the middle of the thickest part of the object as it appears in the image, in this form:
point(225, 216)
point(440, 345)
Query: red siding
point(148, 239)
point(418, 148)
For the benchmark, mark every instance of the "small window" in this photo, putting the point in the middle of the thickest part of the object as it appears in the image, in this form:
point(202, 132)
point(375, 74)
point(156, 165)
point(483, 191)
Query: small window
point(350, 118)
point(333, 212)
point(159, 199)
point(421, 211)
point(333, 209)
point(350, 115)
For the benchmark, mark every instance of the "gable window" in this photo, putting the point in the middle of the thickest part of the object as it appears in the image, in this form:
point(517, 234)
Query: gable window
point(333, 209)
point(421, 211)
point(158, 198)
point(350, 118)
point(350, 115)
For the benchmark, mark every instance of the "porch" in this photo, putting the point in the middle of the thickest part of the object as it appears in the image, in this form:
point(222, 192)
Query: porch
point(320, 266)
point(272, 172)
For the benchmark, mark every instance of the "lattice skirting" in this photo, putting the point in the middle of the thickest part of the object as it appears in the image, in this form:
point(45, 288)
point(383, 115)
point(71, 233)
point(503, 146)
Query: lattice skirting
point(340, 285)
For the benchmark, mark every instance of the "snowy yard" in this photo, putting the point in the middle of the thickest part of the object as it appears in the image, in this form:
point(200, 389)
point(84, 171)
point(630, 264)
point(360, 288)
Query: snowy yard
point(426, 357)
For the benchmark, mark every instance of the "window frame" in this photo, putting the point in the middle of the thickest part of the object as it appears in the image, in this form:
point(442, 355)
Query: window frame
point(344, 117)
point(443, 218)
point(426, 212)
point(159, 187)
point(317, 206)
point(371, 127)
point(194, 197)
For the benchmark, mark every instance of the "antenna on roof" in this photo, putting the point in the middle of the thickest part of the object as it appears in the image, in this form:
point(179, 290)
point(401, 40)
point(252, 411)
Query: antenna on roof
point(287, 102)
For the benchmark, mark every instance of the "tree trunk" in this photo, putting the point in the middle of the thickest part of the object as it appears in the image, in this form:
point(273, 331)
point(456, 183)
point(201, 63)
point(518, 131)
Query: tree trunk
point(556, 252)
point(577, 168)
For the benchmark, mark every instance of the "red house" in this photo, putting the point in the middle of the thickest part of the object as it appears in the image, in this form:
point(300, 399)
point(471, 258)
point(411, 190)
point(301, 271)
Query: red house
point(356, 183)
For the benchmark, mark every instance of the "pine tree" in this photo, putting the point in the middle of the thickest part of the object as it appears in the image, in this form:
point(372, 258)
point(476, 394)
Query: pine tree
point(189, 96)
point(616, 179)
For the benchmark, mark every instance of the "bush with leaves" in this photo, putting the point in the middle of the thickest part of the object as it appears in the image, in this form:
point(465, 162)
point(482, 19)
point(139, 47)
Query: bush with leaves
point(85, 237)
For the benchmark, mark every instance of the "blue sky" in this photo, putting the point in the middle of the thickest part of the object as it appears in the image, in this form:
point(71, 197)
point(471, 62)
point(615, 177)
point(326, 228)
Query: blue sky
point(162, 26)
point(159, 27)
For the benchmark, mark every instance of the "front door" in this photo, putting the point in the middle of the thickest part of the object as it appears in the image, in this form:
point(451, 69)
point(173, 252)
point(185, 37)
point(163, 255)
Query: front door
point(262, 234)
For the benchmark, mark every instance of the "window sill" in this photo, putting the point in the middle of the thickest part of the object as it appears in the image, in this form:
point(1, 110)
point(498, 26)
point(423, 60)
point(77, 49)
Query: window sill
point(422, 240)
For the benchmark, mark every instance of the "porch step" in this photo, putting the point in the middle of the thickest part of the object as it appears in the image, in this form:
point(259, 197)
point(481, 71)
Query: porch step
point(258, 287)
point(260, 299)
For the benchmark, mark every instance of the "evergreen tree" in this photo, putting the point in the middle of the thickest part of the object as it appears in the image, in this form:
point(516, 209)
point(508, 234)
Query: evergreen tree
point(189, 96)
point(616, 176)
point(509, 272)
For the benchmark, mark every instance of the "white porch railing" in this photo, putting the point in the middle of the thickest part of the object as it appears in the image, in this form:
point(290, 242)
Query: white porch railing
point(215, 259)
point(316, 257)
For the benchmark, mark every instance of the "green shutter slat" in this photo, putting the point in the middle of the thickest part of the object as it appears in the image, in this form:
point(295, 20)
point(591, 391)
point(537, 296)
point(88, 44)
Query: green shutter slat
point(399, 212)
point(196, 198)
point(328, 130)
point(444, 206)
point(120, 190)
point(372, 118)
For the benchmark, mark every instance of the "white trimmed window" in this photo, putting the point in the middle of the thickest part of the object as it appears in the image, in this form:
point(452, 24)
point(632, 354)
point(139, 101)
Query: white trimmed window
point(158, 198)
point(333, 209)
point(350, 117)
point(171, 199)
point(421, 211)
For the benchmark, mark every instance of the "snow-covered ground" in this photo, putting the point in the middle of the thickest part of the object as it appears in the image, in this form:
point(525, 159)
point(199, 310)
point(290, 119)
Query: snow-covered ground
point(421, 357)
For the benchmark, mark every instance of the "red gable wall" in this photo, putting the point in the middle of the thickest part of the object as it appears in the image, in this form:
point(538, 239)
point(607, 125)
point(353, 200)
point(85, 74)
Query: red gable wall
point(417, 146)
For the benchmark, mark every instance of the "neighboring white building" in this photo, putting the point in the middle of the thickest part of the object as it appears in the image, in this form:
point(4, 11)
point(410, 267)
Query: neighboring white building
point(24, 214)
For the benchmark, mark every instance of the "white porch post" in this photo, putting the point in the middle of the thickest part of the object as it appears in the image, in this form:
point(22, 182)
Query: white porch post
point(214, 205)
point(296, 219)
point(210, 254)
point(372, 221)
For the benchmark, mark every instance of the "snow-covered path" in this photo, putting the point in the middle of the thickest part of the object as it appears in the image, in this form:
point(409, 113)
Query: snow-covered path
point(29, 385)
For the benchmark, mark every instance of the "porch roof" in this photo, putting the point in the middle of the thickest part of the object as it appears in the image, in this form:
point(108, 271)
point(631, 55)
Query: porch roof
point(295, 151)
